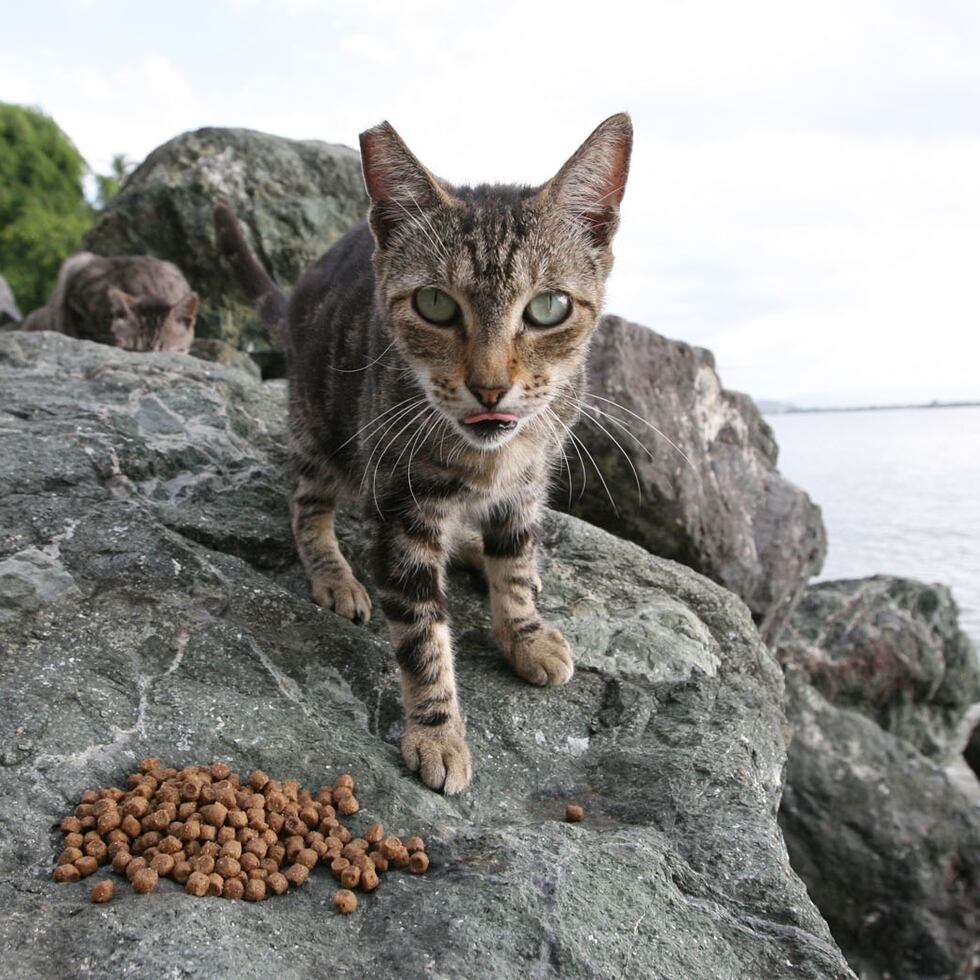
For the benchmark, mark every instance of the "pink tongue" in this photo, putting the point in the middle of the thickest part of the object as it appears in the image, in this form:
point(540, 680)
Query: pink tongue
point(489, 417)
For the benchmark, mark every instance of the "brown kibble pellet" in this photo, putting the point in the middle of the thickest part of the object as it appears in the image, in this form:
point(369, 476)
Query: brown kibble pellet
point(74, 840)
point(401, 858)
point(297, 874)
point(418, 863)
point(66, 872)
point(257, 779)
point(209, 832)
point(277, 883)
point(219, 770)
point(203, 863)
point(131, 825)
point(145, 881)
point(234, 888)
point(237, 819)
point(182, 871)
point(342, 793)
point(71, 825)
point(215, 813)
point(379, 861)
point(197, 884)
point(96, 849)
point(134, 866)
point(108, 821)
point(116, 846)
point(338, 865)
point(375, 833)
point(121, 859)
point(345, 780)
point(216, 884)
point(227, 867)
point(102, 891)
point(249, 861)
point(345, 901)
point(390, 846)
point(169, 845)
point(232, 849)
point(255, 890)
point(149, 764)
point(69, 855)
point(308, 857)
point(369, 878)
point(86, 865)
point(163, 864)
point(350, 876)
point(573, 813)
point(258, 847)
point(413, 844)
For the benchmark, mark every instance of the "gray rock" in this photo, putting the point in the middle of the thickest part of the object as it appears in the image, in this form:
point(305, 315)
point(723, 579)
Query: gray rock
point(159, 479)
point(888, 847)
point(221, 352)
point(28, 580)
point(9, 313)
point(294, 198)
point(711, 496)
point(892, 649)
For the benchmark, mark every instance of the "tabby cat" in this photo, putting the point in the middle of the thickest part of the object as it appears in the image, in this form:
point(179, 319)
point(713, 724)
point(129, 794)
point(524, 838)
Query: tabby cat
point(436, 358)
point(131, 301)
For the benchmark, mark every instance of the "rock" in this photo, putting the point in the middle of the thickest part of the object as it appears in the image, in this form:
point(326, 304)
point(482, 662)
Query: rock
point(892, 649)
point(972, 751)
point(221, 352)
point(712, 497)
point(160, 481)
point(888, 847)
point(9, 313)
point(294, 198)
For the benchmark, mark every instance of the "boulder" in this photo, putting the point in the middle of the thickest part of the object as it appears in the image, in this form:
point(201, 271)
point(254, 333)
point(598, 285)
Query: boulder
point(173, 620)
point(9, 313)
point(704, 460)
point(888, 846)
point(294, 198)
point(892, 649)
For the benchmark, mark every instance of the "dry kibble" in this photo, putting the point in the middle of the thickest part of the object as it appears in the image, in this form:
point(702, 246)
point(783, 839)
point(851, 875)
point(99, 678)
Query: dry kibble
point(69, 855)
point(197, 884)
point(250, 861)
point(307, 856)
point(257, 779)
point(203, 863)
point(234, 888)
point(338, 865)
point(74, 840)
point(379, 860)
point(375, 833)
point(97, 849)
point(255, 890)
point(163, 864)
point(182, 871)
point(169, 845)
point(418, 863)
point(102, 891)
point(144, 881)
point(345, 780)
point(232, 849)
point(350, 876)
point(135, 866)
point(121, 859)
point(86, 865)
point(227, 867)
point(390, 846)
point(277, 883)
point(109, 821)
point(216, 885)
point(215, 813)
point(131, 825)
point(573, 813)
point(66, 872)
point(345, 901)
point(297, 874)
point(71, 825)
point(369, 878)
point(413, 844)
point(401, 858)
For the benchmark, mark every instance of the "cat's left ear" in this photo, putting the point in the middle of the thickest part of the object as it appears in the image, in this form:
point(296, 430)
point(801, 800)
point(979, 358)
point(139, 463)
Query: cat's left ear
point(590, 187)
point(397, 183)
point(185, 310)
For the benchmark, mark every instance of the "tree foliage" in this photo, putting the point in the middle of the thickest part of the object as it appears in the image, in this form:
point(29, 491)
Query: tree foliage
point(43, 212)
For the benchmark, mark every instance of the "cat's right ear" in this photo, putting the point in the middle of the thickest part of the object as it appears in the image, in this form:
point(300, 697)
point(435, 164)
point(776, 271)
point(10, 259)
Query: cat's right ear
point(122, 303)
point(399, 186)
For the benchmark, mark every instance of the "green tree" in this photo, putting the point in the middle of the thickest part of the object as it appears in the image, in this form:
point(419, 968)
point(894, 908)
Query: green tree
point(43, 212)
point(107, 185)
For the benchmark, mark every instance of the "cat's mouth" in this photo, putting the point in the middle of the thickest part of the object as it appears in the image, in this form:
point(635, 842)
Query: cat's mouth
point(487, 425)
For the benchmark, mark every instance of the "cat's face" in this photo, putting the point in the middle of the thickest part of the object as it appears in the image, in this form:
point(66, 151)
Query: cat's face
point(147, 324)
point(493, 292)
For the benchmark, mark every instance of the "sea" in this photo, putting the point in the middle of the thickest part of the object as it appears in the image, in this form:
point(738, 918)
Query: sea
point(899, 490)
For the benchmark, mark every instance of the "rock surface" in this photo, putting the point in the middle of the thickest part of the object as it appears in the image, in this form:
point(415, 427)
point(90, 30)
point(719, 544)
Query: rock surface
point(9, 313)
point(888, 847)
point(892, 649)
point(712, 497)
point(154, 483)
point(294, 198)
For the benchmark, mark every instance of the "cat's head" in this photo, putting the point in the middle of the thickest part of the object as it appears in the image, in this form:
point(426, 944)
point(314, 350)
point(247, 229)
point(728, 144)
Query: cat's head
point(493, 292)
point(150, 324)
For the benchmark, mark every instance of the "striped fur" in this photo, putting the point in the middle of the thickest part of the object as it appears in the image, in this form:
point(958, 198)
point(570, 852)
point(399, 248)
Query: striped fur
point(378, 396)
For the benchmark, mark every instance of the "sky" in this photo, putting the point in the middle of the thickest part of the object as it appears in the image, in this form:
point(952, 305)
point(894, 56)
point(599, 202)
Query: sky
point(804, 198)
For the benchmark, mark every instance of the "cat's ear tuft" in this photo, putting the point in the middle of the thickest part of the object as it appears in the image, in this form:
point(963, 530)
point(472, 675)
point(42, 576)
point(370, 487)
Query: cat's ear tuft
point(185, 310)
point(122, 303)
point(590, 186)
point(397, 183)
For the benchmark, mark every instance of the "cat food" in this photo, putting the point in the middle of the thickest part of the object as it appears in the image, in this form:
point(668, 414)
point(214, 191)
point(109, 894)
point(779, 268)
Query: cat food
point(103, 891)
point(217, 834)
point(345, 900)
point(573, 813)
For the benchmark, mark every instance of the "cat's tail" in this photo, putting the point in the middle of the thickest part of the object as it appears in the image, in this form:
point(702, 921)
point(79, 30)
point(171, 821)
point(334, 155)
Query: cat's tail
point(269, 300)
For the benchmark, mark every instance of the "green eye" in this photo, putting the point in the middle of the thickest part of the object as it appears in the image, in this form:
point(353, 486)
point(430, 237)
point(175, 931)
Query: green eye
point(548, 309)
point(435, 306)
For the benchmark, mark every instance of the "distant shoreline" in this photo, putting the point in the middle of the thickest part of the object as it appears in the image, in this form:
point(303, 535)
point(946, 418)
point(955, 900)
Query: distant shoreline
point(767, 408)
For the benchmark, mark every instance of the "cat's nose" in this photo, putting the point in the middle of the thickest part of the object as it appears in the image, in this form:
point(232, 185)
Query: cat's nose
point(487, 396)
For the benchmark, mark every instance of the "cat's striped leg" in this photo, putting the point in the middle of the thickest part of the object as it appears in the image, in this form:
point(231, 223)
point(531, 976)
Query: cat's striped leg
point(332, 582)
point(537, 652)
point(410, 554)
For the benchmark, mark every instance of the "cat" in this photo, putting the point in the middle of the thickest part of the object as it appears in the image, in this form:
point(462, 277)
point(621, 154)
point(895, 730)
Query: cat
point(436, 360)
point(132, 301)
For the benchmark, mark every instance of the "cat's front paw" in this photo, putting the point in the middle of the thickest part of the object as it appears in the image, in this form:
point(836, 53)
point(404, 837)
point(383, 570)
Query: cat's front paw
point(344, 595)
point(439, 755)
point(541, 657)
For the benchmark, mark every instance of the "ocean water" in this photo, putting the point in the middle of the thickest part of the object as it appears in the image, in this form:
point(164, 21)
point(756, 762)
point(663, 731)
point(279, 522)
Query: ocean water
point(900, 493)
